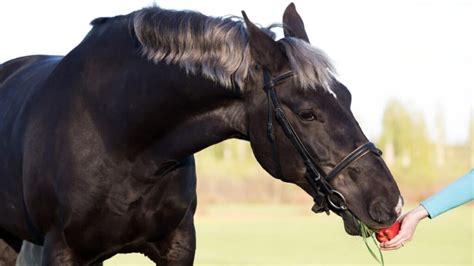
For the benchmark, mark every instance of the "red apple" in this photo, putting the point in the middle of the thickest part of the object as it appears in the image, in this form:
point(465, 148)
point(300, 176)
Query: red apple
point(386, 234)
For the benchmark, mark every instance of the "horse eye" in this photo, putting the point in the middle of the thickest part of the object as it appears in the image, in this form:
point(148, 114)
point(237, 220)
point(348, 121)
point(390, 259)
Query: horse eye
point(307, 115)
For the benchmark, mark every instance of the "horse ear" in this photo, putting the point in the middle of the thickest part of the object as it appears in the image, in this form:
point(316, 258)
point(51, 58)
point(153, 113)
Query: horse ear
point(263, 48)
point(342, 93)
point(293, 25)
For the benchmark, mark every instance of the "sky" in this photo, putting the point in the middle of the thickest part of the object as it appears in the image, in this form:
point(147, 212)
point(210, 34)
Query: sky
point(419, 52)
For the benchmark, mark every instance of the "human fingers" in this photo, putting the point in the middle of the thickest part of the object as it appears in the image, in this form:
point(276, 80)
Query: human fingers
point(392, 242)
point(395, 243)
point(391, 248)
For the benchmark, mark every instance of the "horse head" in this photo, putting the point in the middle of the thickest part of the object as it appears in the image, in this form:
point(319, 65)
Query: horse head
point(302, 130)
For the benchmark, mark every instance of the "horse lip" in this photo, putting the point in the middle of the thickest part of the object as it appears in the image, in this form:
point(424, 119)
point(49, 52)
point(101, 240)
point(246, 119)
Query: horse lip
point(350, 225)
point(348, 220)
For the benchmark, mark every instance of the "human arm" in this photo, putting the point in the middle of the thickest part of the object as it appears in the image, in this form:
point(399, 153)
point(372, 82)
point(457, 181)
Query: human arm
point(455, 194)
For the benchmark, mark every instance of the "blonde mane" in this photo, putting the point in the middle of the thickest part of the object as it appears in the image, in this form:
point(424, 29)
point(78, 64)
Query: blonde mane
point(218, 48)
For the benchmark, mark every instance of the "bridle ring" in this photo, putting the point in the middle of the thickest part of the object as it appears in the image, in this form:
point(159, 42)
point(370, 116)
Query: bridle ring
point(338, 194)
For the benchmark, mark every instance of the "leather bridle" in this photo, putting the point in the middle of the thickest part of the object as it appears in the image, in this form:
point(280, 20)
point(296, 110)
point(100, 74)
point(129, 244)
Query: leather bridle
point(326, 198)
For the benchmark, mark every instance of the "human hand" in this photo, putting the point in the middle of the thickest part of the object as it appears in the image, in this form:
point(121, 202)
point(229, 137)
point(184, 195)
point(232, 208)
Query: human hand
point(409, 221)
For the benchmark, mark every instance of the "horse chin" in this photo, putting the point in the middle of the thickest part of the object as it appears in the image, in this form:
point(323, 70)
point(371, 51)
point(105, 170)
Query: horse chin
point(350, 225)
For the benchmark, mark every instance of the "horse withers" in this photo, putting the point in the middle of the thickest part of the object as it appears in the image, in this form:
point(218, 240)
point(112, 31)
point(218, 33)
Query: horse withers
point(97, 146)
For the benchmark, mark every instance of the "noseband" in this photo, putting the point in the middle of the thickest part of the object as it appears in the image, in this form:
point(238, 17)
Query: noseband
point(325, 197)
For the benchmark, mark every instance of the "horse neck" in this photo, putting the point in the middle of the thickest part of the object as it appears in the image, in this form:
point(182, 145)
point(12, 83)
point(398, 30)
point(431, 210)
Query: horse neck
point(142, 106)
point(201, 113)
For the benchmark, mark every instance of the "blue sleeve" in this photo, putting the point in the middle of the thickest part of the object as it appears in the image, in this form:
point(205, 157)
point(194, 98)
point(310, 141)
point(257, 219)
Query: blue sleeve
point(455, 194)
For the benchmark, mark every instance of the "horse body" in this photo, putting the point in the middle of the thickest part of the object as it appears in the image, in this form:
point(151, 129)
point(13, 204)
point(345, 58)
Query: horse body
point(66, 172)
point(97, 146)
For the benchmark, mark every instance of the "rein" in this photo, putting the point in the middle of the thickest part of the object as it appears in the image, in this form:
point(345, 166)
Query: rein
point(325, 197)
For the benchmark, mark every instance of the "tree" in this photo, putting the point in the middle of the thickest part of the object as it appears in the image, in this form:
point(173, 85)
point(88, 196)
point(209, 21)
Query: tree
point(404, 136)
point(440, 138)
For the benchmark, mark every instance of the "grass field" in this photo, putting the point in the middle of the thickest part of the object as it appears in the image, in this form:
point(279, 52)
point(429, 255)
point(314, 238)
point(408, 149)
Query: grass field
point(266, 234)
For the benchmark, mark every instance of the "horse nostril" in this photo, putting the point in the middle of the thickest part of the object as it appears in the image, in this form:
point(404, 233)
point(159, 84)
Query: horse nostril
point(379, 211)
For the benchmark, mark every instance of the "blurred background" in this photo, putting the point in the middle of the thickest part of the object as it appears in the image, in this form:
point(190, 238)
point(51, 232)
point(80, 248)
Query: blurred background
point(408, 65)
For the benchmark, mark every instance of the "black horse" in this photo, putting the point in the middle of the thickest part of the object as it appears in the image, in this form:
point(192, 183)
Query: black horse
point(97, 146)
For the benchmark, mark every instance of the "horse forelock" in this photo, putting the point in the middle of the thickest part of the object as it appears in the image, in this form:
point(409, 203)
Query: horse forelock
point(218, 47)
point(310, 64)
